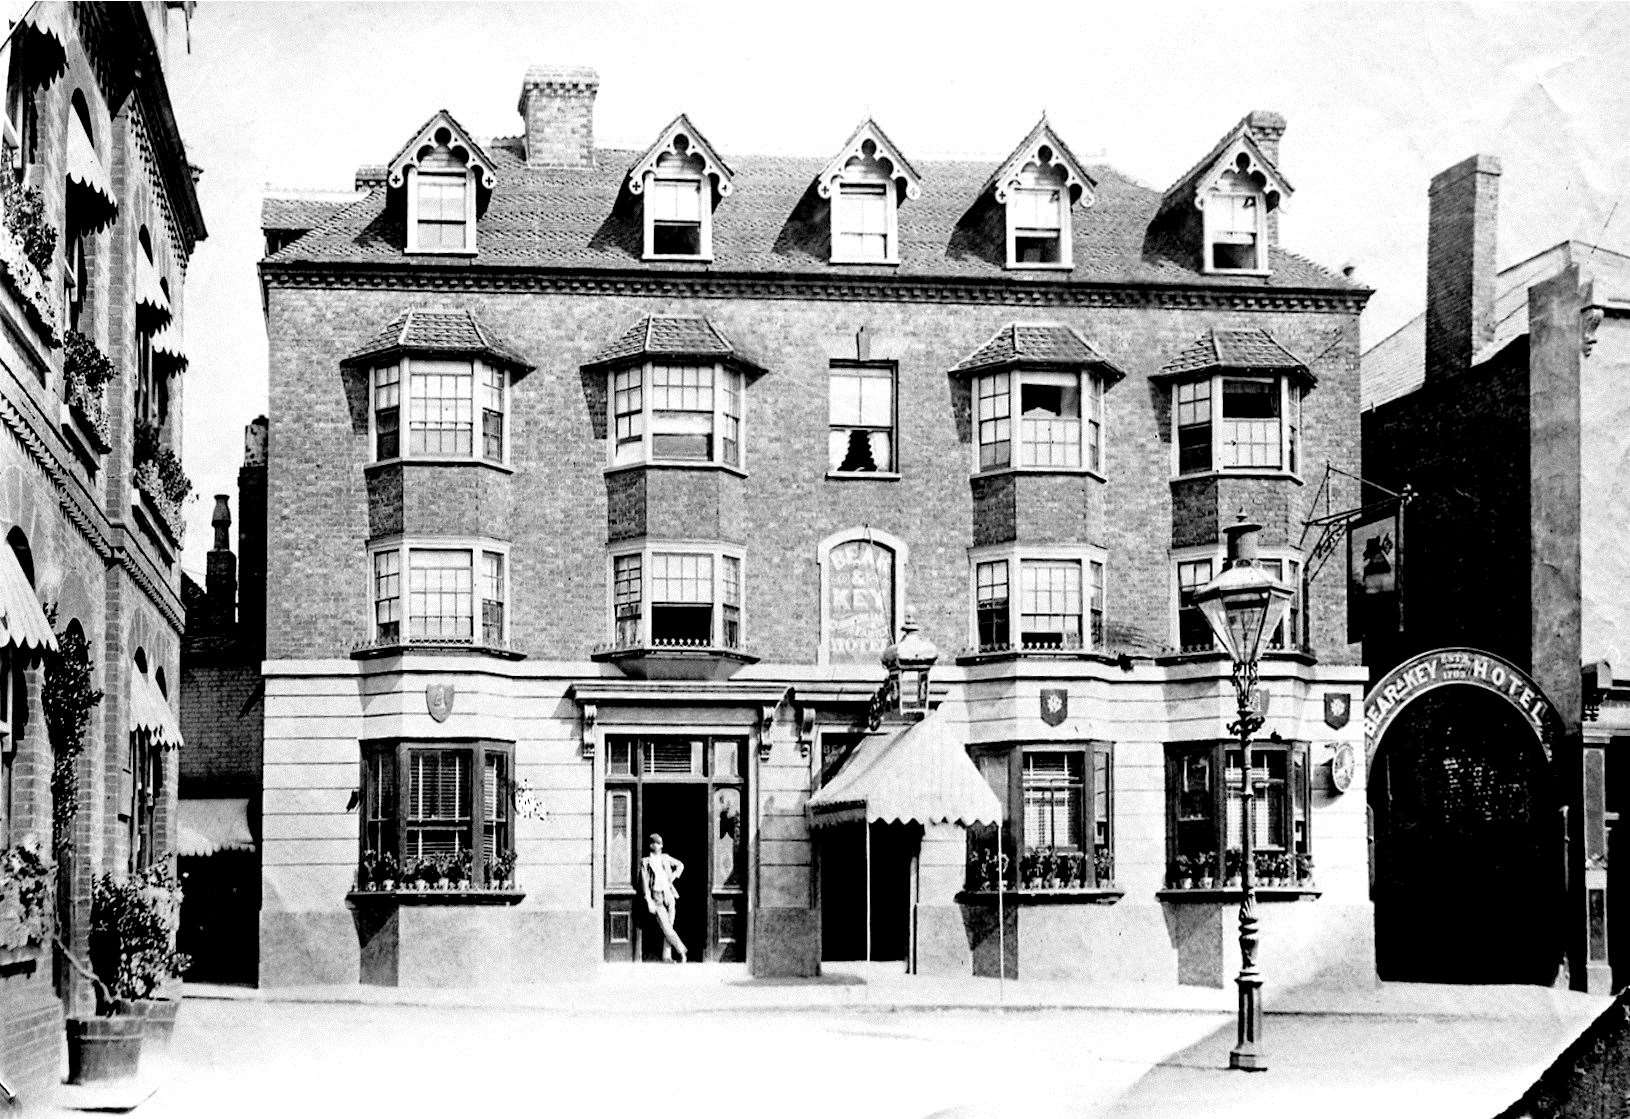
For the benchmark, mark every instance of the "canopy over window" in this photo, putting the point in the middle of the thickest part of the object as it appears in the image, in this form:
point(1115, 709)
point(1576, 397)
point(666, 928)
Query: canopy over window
point(86, 173)
point(150, 711)
point(31, 30)
point(168, 353)
point(21, 618)
point(151, 302)
point(914, 774)
point(205, 827)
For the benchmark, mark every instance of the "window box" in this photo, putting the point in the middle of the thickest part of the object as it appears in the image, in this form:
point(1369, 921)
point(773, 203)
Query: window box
point(26, 240)
point(86, 371)
point(438, 809)
point(1056, 800)
point(369, 649)
point(400, 896)
point(153, 505)
point(1232, 895)
point(1206, 821)
point(1106, 895)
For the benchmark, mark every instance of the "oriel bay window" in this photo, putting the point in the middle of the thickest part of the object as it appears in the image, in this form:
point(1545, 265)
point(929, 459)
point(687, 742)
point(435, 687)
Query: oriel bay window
point(1205, 784)
point(1059, 817)
point(456, 409)
point(1060, 420)
point(1195, 571)
point(676, 413)
point(677, 599)
point(1060, 603)
point(455, 595)
point(430, 805)
point(1237, 423)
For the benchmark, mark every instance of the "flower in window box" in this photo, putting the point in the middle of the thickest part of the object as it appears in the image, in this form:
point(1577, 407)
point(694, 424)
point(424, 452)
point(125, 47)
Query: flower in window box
point(1030, 869)
point(501, 869)
point(1103, 865)
point(1233, 862)
point(389, 871)
point(368, 871)
point(458, 870)
point(1304, 868)
point(1182, 872)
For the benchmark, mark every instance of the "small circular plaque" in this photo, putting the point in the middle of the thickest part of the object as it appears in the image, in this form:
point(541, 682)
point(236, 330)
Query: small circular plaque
point(1342, 765)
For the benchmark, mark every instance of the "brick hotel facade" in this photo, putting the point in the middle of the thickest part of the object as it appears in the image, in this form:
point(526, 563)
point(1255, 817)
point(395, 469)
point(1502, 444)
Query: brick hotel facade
point(101, 217)
point(600, 480)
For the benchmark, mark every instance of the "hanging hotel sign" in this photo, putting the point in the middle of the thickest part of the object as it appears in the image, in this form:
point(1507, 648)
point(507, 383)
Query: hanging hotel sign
point(1442, 667)
point(439, 698)
point(860, 601)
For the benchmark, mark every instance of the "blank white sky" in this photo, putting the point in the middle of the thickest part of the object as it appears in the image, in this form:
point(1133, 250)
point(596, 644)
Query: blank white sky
point(1378, 97)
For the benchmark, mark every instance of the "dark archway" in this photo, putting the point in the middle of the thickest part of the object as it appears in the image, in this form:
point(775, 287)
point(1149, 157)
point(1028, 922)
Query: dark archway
point(18, 540)
point(1468, 863)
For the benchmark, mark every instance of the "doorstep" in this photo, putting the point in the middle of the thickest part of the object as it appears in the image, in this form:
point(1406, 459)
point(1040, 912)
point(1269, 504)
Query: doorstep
point(114, 1096)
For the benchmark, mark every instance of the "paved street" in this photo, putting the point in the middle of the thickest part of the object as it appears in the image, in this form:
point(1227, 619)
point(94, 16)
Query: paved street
point(1397, 1053)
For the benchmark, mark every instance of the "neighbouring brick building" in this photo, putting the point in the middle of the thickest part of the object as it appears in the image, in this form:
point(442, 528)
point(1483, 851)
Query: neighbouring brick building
point(100, 220)
point(600, 479)
point(1499, 624)
point(222, 721)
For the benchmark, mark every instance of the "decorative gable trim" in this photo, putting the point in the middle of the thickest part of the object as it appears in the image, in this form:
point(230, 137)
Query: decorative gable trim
point(1044, 148)
point(684, 139)
point(425, 140)
point(1242, 156)
point(908, 184)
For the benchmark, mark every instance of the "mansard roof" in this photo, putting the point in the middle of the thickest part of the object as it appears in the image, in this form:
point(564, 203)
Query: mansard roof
point(682, 138)
point(1038, 346)
point(869, 140)
point(425, 140)
point(570, 219)
point(442, 332)
point(1044, 147)
point(1239, 151)
point(672, 336)
point(1252, 350)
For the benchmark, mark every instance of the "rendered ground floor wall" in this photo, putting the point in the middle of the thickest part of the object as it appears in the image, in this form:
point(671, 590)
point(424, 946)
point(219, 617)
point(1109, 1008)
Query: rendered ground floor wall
point(315, 929)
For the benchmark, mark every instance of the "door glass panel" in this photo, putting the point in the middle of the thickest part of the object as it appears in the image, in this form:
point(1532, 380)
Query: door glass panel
point(674, 755)
point(726, 757)
point(619, 756)
point(727, 839)
point(619, 839)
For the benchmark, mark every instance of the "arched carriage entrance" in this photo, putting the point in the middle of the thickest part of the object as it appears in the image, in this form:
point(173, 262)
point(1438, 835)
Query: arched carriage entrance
point(1468, 842)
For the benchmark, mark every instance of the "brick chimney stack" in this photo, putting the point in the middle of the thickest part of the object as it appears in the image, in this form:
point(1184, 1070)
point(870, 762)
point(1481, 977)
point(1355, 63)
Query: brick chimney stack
point(1460, 268)
point(1266, 127)
point(557, 104)
point(221, 569)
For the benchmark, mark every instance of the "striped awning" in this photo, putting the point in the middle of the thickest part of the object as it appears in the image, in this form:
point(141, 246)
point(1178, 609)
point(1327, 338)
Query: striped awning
point(31, 30)
point(916, 774)
point(151, 302)
point(85, 171)
point(150, 712)
point(167, 350)
point(204, 827)
point(20, 615)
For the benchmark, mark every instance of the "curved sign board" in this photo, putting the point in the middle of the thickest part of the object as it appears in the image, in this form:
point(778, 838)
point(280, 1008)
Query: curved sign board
point(1442, 667)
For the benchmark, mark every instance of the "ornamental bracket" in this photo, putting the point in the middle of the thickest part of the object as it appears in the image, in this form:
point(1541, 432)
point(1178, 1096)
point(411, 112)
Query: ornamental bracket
point(1331, 525)
point(591, 712)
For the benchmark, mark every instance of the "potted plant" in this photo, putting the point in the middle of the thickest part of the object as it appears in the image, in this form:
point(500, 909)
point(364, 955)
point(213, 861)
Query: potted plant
point(1048, 869)
point(1233, 861)
point(1304, 868)
point(132, 938)
point(368, 871)
point(1183, 872)
point(458, 870)
point(389, 872)
point(1030, 869)
point(1103, 866)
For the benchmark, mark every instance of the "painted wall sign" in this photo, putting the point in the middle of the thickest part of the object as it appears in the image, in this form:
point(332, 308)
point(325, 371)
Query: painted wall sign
point(860, 600)
point(439, 699)
point(1055, 706)
point(1337, 708)
point(1441, 667)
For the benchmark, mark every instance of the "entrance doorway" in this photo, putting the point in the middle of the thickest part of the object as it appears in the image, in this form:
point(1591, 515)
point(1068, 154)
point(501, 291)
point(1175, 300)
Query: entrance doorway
point(690, 790)
point(1467, 844)
point(845, 890)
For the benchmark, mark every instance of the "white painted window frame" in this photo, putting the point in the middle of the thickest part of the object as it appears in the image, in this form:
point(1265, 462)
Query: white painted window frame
point(645, 549)
point(403, 546)
point(1066, 249)
point(1090, 385)
point(704, 198)
point(721, 371)
point(1218, 555)
point(891, 210)
point(413, 246)
point(1016, 555)
point(1213, 230)
point(478, 368)
point(1292, 396)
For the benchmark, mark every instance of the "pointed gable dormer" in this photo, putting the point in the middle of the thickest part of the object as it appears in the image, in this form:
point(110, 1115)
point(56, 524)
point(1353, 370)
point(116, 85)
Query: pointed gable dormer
point(1038, 185)
point(1237, 189)
point(866, 182)
point(444, 179)
point(681, 179)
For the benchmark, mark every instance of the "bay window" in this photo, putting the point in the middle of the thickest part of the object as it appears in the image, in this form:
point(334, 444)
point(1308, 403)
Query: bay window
point(1060, 420)
point(1059, 819)
point(1060, 603)
point(671, 412)
point(1206, 816)
point(443, 399)
point(429, 801)
point(1195, 569)
point(1245, 423)
point(676, 598)
point(455, 595)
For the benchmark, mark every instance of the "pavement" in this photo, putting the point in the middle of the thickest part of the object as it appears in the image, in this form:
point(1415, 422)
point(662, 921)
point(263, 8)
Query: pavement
point(859, 1041)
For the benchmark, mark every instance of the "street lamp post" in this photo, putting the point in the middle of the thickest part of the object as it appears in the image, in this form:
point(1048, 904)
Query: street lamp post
point(1244, 605)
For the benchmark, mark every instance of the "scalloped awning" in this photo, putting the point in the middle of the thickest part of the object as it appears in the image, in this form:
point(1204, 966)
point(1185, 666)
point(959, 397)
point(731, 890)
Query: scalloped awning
point(85, 171)
point(151, 303)
point(21, 619)
point(918, 774)
point(33, 33)
point(150, 712)
point(204, 827)
point(168, 351)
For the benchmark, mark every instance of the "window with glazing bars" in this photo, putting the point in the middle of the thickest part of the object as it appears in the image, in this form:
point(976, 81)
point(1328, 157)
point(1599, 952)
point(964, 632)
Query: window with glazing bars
point(439, 594)
point(676, 216)
point(730, 612)
point(1289, 572)
point(442, 213)
point(1054, 801)
point(992, 605)
point(681, 598)
point(682, 412)
point(1036, 214)
point(1194, 426)
point(1050, 604)
point(388, 595)
point(440, 408)
point(628, 407)
point(995, 409)
point(492, 598)
point(862, 222)
point(1050, 419)
point(495, 785)
point(492, 413)
point(387, 411)
point(860, 402)
point(1250, 423)
point(1193, 631)
point(626, 593)
point(438, 803)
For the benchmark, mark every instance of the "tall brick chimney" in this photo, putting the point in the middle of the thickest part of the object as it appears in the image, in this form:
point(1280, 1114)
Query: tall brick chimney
point(221, 569)
point(1266, 127)
point(1460, 272)
point(557, 104)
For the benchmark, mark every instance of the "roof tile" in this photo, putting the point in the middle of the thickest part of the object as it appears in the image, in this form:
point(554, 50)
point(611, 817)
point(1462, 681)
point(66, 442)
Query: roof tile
point(1252, 348)
point(438, 331)
point(671, 336)
point(1035, 344)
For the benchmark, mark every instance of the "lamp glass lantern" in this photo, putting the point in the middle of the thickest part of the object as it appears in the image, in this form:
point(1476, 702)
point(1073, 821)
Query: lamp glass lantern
point(908, 662)
point(1243, 604)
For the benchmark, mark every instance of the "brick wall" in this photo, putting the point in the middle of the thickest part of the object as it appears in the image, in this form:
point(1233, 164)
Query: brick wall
point(324, 505)
point(221, 722)
point(1460, 268)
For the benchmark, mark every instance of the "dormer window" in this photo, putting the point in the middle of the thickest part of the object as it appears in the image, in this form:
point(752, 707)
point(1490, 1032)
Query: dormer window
point(446, 179)
point(676, 222)
point(1037, 186)
point(680, 177)
point(441, 204)
point(865, 183)
point(1235, 220)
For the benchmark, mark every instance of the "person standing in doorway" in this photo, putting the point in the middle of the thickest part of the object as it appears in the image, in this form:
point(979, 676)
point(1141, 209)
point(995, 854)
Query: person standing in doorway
point(658, 873)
